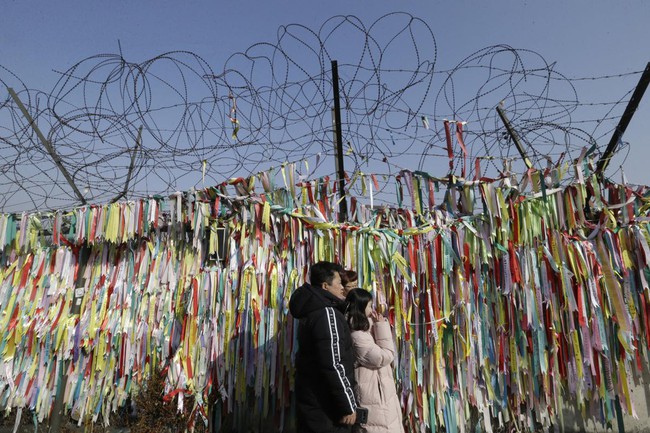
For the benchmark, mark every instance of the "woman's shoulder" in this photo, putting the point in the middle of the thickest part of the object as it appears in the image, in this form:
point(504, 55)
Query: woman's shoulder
point(361, 335)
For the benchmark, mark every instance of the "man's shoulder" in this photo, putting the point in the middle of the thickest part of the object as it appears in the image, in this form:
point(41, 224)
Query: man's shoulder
point(304, 301)
point(326, 313)
point(320, 311)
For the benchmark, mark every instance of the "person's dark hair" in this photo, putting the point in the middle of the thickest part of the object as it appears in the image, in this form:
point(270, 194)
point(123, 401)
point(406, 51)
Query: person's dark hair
point(323, 272)
point(355, 309)
point(348, 275)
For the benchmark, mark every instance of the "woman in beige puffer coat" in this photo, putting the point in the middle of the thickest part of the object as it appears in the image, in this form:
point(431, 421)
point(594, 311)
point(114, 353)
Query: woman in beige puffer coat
point(374, 353)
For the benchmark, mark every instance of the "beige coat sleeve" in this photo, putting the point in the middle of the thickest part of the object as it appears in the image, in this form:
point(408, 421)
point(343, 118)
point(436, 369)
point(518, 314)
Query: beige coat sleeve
point(374, 352)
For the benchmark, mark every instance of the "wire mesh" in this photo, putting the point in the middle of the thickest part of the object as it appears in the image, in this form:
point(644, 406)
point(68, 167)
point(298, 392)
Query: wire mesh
point(124, 129)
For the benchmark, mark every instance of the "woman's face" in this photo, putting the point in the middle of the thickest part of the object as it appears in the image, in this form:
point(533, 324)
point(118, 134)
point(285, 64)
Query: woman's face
point(350, 285)
point(368, 309)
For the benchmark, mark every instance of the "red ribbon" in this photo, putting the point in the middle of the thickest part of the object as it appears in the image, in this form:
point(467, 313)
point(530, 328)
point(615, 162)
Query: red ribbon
point(450, 151)
point(461, 143)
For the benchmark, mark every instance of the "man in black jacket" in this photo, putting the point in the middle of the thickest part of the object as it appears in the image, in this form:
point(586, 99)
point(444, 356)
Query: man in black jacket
point(325, 360)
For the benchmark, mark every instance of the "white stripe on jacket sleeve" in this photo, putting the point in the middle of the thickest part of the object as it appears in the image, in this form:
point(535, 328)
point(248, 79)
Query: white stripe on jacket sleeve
point(336, 359)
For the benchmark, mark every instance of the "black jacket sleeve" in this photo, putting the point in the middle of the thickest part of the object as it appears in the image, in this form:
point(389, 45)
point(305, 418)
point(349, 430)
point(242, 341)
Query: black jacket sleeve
point(327, 333)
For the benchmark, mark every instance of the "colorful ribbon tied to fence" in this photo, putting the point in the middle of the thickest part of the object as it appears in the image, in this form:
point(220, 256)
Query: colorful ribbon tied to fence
point(505, 306)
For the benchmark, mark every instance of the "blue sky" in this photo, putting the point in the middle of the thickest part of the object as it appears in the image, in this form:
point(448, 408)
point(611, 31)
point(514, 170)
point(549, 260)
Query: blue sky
point(585, 37)
point(582, 35)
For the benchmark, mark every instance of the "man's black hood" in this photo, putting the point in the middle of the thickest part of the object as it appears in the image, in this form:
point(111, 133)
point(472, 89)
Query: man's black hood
point(307, 299)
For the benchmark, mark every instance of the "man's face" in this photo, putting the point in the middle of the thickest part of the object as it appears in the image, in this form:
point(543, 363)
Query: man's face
point(335, 288)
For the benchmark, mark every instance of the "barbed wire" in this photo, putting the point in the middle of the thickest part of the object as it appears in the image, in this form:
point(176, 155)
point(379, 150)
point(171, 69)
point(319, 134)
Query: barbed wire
point(125, 129)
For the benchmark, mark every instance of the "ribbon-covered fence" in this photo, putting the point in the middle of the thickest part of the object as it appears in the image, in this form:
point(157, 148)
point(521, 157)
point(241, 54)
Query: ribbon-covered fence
point(504, 305)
